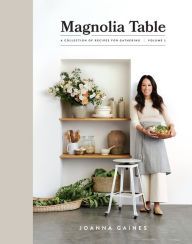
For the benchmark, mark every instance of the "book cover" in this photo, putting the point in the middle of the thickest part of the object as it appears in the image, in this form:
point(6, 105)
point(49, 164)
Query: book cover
point(88, 59)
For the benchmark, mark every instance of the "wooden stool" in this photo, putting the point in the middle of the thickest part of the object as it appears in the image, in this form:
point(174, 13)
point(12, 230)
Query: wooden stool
point(130, 164)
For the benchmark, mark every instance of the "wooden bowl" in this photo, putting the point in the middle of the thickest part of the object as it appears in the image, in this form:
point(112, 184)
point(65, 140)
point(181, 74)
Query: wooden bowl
point(163, 136)
point(79, 151)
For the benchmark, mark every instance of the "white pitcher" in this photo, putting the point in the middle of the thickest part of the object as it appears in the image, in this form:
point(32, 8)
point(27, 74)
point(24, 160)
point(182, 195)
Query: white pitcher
point(71, 147)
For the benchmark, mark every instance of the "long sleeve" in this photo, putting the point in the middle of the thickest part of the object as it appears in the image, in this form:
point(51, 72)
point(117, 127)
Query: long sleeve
point(165, 115)
point(134, 114)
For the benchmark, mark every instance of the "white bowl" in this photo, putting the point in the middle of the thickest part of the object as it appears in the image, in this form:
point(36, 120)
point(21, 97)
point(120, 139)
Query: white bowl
point(103, 107)
point(105, 151)
point(102, 115)
point(103, 112)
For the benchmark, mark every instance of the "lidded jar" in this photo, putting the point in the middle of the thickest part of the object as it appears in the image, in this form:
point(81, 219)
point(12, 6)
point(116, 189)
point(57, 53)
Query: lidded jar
point(88, 142)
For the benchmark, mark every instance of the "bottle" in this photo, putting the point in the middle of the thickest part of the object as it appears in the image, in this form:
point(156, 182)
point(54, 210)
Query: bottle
point(113, 106)
point(121, 108)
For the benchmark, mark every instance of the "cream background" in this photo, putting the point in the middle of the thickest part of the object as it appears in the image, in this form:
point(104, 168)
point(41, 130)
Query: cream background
point(169, 65)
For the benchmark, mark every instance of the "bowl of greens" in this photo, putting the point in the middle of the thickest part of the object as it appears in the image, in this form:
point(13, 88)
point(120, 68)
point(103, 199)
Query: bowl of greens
point(161, 131)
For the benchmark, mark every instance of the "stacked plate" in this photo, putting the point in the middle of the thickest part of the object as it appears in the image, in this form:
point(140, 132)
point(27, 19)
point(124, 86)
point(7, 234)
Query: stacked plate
point(102, 112)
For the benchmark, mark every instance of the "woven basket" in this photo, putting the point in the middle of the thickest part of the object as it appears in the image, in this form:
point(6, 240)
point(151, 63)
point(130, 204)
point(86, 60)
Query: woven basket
point(58, 207)
point(104, 184)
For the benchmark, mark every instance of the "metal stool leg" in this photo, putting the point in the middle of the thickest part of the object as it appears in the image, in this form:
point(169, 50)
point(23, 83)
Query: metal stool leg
point(143, 197)
point(133, 193)
point(112, 191)
point(121, 188)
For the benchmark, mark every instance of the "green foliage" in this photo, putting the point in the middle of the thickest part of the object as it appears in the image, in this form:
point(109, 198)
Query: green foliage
point(104, 173)
point(75, 191)
point(161, 129)
point(52, 201)
point(82, 189)
point(96, 200)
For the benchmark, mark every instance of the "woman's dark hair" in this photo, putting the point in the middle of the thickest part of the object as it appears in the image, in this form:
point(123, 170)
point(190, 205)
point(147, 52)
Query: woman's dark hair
point(156, 99)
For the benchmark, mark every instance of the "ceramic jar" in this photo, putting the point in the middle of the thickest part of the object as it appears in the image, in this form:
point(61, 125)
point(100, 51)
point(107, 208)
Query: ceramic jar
point(79, 111)
point(65, 109)
point(113, 105)
point(117, 138)
point(121, 108)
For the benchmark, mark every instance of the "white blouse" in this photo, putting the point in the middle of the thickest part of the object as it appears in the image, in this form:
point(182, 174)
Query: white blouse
point(149, 114)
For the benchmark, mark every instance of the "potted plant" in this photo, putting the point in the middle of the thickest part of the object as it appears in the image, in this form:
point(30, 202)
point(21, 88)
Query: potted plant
point(76, 91)
point(102, 180)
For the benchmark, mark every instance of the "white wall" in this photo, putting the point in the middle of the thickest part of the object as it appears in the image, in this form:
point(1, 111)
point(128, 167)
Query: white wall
point(169, 65)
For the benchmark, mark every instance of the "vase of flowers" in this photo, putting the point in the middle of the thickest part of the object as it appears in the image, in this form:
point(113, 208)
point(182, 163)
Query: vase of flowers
point(77, 92)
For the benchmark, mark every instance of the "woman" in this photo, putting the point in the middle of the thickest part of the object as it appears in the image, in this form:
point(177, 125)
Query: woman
point(148, 110)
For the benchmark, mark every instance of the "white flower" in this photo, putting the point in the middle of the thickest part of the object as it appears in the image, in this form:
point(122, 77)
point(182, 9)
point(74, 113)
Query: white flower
point(81, 86)
point(85, 81)
point(61, 84)
point(76, 81)
point(53, 93)
point(92, 95)
point(85, 86)
point(72, 94)
point(103, 98)
point(81, 97)
point(50, 90)
point(57, 89)
point(76, 91)
point(76, 99)
point(66, 86)
point(69, 90)
point(90, 86)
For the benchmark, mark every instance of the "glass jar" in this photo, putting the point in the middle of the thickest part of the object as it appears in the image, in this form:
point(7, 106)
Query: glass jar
point(88, 142)
point(82, 141)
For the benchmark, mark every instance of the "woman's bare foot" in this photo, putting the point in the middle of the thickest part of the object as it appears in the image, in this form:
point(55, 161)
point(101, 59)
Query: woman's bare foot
point(157, 210)
point(144, 210)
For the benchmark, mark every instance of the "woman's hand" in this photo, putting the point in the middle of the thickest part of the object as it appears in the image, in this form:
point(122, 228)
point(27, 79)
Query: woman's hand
point(172, 131)
point(150, 133)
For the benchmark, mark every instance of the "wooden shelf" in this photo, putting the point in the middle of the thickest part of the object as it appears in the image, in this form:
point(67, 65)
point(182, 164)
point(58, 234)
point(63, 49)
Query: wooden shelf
point(95, 155)
point(94, 119)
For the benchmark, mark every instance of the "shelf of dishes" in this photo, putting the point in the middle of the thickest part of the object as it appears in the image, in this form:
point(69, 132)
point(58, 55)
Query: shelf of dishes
point(94, 119)
point(94, 155)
